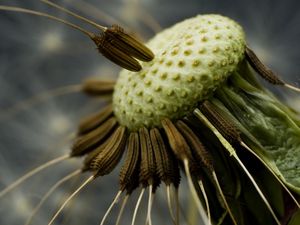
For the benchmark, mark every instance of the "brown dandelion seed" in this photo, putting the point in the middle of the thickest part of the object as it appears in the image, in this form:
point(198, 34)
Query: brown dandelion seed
point(166, 164)
point(128, 178)
point(147, 166)
point(224, 126)
point(232, 134)
point(129, 44)
point(91, 122)
point(232, 151)
point(262, 70)
point(109, 157)
point(98, 87)
point(85, 143)
point(265, 72)
point(106, 46)
point(153, 155)
point(167, 169)
point(201, 154)
point(114, 44)
point(107, 144)
point(176, 141)
point(183, 152)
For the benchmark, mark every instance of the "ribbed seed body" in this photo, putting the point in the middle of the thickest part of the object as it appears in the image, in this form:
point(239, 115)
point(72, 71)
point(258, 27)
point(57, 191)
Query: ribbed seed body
point(224, 126)
point(166, 165)
point(128, 178)
point(147, 166)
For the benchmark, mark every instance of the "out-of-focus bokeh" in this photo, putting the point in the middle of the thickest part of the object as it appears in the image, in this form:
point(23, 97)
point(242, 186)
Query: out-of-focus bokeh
point(38, 55)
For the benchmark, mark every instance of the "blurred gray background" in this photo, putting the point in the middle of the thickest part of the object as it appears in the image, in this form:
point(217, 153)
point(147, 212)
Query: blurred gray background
point(37, 55)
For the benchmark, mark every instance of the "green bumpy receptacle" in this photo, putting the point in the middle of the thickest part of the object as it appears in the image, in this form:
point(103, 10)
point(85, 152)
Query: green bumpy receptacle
point(192, 59)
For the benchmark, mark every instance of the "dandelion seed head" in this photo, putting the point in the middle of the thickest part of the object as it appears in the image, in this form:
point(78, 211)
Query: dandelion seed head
point(186, 50)
point(56, 124)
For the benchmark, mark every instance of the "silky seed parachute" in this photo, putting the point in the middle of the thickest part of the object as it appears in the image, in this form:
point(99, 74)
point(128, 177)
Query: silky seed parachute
point(194, 104)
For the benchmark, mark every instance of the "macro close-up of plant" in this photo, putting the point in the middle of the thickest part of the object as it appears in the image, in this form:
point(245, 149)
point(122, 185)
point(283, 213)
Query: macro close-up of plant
point(152, 112)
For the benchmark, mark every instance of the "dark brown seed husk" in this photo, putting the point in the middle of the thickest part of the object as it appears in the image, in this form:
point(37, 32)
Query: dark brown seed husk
point(177, 143)
point(107, 48)
point(261, 69)
point(111, 154)
point(200, 152)
point(87, 142)
point(167, 167)
point(147, 166)
point(223, 125)
point(130, 170)
point(129, 44)
point(91, 155)
point(98, 87)
point(91, 122)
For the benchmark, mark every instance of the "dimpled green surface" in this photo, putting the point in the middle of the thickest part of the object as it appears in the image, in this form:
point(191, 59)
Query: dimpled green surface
point(192, 59)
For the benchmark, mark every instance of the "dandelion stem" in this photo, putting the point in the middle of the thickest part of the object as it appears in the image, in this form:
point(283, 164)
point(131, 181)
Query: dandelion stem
point(150, 201)
point(200, 182)
point(194, 193)
point(27, 103)
point(223, 197)
point(32, 12)
point(232, 152)
point(273, 173)
point(258, 190)
point(31, 173)
point(292, 87)
point(74, 14)
point(177, 205)
point(49, 192)
point(111, 206)
point(122, 209)
point(137, 206)
point(93, 10)
point(70, 198)
point(170, 204)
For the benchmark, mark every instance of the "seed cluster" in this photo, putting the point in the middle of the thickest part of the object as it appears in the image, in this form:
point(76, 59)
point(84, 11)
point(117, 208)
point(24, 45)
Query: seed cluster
point(165, 116)
point(191, 60)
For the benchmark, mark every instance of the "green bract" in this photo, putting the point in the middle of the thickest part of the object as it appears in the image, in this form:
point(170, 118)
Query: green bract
point(192, 59)
point(270, 128)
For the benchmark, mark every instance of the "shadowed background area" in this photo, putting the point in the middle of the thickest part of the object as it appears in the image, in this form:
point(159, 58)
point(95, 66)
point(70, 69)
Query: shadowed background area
point(37, 55)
